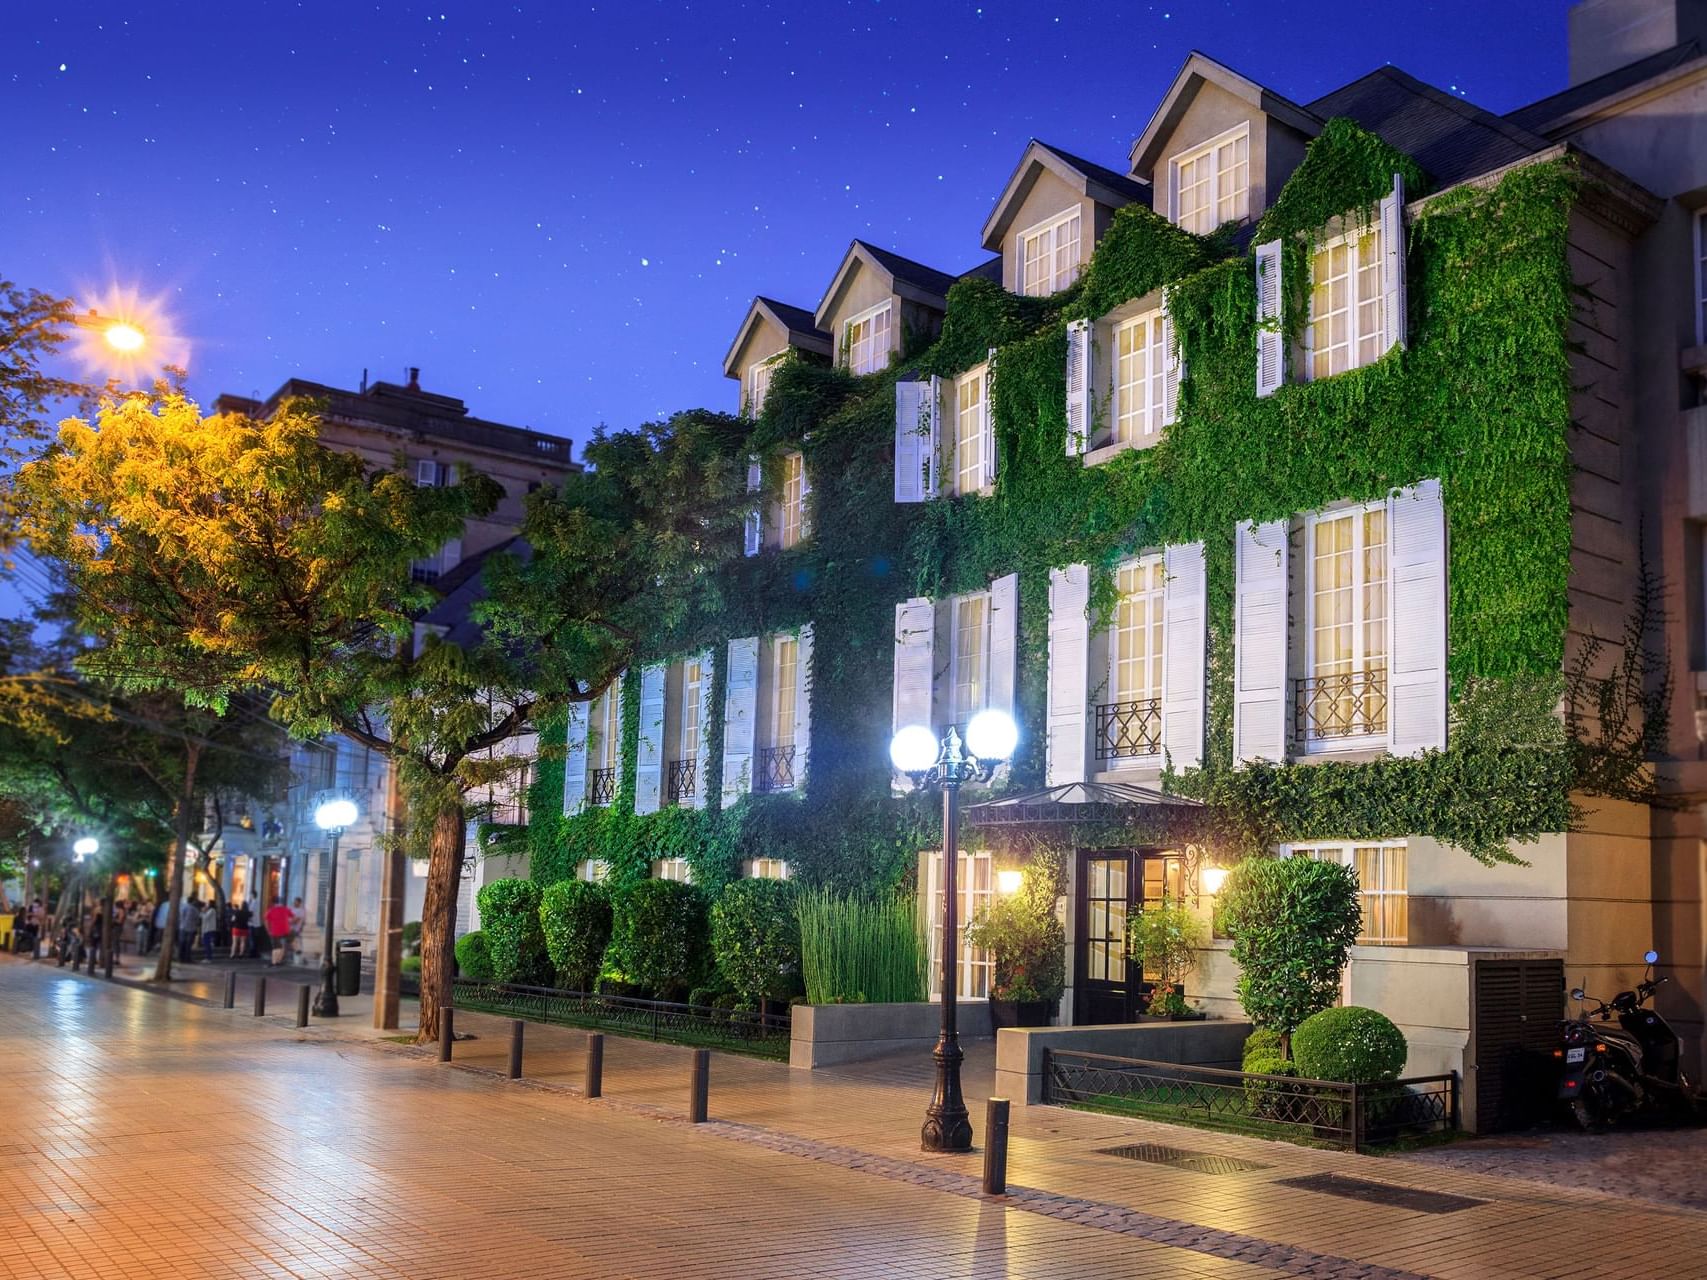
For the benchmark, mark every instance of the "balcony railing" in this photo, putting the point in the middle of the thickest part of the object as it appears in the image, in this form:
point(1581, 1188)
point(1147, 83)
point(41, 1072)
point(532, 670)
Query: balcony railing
point(510, 811)
point(1347, 704)
point(1129, 729)
point(773, 769)
point(601, 786)
point(683, 775)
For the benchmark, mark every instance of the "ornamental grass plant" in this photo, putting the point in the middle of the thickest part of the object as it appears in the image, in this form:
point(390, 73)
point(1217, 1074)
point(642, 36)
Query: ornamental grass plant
point(859, 950)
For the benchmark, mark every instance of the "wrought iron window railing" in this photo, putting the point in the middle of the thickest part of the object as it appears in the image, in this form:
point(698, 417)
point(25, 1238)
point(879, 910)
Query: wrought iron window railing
point(773, 769)
point(1129, 729)
point(510, 811)
point(1348, 704)
point(601, 786)
point(681, 780)
point(1315, 1112)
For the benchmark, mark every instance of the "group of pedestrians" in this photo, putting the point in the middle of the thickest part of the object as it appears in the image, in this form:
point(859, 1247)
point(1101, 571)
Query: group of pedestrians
point(201, 925)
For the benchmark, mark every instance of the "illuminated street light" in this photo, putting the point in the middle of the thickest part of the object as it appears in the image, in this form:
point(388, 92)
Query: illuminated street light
point(86, 847)
point(1212, 878)
point(333, 817)
point(1009, 881)
point(125, 337)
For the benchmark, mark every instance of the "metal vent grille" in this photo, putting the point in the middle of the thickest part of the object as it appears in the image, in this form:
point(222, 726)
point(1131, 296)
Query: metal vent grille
point(1196, 1161)
point(1334, 1184)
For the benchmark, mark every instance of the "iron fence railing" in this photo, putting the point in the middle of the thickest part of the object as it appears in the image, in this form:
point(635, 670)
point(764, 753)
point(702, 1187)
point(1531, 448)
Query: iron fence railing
point(1128, 729)
point(601, 786)
point(682, 776)
point(1349, 704)
point(773, 769)
point(1316, 1112)
point(762, 1034)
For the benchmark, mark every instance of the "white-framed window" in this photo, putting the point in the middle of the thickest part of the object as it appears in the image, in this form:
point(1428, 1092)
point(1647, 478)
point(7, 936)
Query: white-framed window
point(1050, 255)
point(1140, 378)
point(1381, 881)
point(759, 375)
point(791, 524)
point(604, 738)
point(785, 690)
point(1701, 275)
point(976, 881)
point(1212, 184)
point(592, 870)
point(767, 869)
point(681, 778)
point(867, 340)
point(1129, 723)
point(1343, 701)
point(1346, 329)
point(672, 869)
point(969, 435)
point(969, 656)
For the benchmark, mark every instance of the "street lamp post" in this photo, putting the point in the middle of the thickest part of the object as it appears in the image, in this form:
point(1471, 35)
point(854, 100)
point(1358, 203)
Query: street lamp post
point(87, 847)
point(943, 765)
point(332, 817)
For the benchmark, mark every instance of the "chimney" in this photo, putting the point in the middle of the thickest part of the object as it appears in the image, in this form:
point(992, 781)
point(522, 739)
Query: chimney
point(1607, 34)
point(414, 378)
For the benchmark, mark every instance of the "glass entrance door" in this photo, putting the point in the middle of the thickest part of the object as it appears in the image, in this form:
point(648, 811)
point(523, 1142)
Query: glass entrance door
point(1106, 884)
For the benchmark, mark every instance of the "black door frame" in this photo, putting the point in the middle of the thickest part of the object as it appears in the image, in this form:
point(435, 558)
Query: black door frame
point(1129, 992)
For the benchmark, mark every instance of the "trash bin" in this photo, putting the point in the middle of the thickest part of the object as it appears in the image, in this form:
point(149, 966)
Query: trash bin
point(349, 967)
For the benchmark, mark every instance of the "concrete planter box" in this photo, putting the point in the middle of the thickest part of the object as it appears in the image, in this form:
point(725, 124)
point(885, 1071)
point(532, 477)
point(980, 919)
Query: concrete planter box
point(825, 1035)
point(1019, 1050)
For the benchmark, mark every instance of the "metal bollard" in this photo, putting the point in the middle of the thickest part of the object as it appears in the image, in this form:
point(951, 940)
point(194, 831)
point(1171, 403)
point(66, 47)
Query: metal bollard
point(595, 1084)
point(230, 989)
point(516, 1025)
point(699, 1086)
point(996, 1147)
point(447, 1031)
point(260, 995)
point(302, 1006)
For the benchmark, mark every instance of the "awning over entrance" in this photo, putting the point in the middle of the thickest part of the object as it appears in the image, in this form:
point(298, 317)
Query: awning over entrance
point(1113, 804)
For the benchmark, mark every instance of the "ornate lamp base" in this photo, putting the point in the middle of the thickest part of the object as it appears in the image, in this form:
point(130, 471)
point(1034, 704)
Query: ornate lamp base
point(947, 1126)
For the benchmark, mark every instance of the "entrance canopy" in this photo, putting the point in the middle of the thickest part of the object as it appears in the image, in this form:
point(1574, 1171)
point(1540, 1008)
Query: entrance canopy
point(1113, 807)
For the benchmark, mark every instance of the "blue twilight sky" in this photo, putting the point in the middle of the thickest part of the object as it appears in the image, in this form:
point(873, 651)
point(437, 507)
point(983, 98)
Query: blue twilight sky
point(561, 210)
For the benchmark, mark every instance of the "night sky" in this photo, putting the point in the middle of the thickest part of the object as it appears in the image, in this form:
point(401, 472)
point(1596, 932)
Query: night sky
point(560, 211)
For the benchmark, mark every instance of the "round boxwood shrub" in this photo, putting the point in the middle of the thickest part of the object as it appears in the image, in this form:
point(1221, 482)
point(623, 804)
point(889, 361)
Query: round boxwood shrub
point(660, 936)
point(509, 917)
point(1270, 1099)
point(1264, 1042)
point(755, 938)
point(1352, 1045)
point(575, 916)
point(473, 957)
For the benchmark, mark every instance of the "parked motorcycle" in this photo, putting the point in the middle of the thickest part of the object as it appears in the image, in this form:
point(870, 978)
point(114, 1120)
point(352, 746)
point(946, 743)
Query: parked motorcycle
point(1610, 1071)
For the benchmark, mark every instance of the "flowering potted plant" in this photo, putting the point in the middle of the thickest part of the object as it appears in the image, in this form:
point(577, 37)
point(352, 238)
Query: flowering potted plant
point(1029, 948)
point(1165, 938)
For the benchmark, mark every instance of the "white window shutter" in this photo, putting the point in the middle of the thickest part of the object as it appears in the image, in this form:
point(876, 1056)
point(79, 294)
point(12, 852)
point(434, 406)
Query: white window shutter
point(805, 496)
point(1078, 388)
point(448, 474)
point(1068, 728)
point(450, 555)
point(575, 759)
point(427, 472)
point(1416, 696)
point(1393, 302)
point(756, 517)
point(740, 718)
point(1271, 342)
point(987, 420)
point(932, 424)
point(649, 761)
point(915, 636)
point(1004, 643)
point(1184, 619)
point(1173, 368)
point(912, 441)
point(802, 707)
point(702, 762)
point(1260, 703)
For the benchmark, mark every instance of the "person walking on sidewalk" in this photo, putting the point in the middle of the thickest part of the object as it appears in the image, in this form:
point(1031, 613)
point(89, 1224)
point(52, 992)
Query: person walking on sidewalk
point(210, 930)
point(157, 934)
point(241, 919)
point(298, 918)
point(189, 924)
point(278, 928)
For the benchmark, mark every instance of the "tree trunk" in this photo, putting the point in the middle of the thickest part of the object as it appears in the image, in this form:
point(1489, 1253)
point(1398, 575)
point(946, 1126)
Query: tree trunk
point(175, 873)
point(438, 916)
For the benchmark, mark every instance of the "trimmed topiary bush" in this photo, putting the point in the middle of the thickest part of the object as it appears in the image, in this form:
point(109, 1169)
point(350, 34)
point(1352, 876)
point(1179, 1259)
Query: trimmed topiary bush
point(473, 957)
point(1263, 1042)
point(575, 917)
point(1292, 921)
point(660, 935)
point(1352, 1045)
point(509, 917)
point(755, 938)
point(1270, 1099)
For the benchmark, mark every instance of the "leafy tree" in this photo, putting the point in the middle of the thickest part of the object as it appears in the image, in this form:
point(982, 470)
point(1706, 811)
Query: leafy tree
point(1292, 921)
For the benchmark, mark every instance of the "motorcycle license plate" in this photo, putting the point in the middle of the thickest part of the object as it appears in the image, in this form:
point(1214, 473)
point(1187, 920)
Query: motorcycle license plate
point(1575, 1055)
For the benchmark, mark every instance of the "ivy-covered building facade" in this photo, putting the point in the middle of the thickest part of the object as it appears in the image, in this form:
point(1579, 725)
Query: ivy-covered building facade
point(1291, 479)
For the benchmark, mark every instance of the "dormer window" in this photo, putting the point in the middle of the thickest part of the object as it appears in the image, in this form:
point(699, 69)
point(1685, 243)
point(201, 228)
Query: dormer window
point(1050, 256)
point(866, 342)
point(759, 383)
point(1211, 185)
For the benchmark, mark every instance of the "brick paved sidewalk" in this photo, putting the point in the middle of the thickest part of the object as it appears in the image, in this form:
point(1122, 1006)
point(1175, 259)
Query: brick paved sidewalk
point(865, 1119)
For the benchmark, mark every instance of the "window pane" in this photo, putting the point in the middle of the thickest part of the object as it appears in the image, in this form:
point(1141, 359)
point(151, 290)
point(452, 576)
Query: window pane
point(785, 651)
point(969, 634)
point(969, 434)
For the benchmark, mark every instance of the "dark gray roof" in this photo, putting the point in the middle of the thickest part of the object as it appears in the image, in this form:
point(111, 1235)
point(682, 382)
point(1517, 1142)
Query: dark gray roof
point(1538, 115)
point(798, 319)
point(915, 273)
point(1128, 186)
point(463, 587)
point(1451, 139)
point(991, 270)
